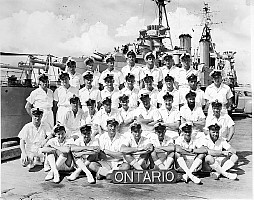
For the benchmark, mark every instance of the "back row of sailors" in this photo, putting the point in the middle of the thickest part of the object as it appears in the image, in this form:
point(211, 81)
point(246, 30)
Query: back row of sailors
point(43, 97)
point(133, 149)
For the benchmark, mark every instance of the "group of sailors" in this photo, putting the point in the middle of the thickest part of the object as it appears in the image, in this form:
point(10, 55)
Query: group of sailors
point(137, 118)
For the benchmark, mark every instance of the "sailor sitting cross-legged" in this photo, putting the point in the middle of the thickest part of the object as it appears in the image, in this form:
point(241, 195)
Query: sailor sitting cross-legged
point(221, 156)
point(62, 96)
point(75, 77)
point(110, 155)
point(131, 91)
point(104, 114)
point(33, 136)
point(136, 149)
point(163, 153)
point(189, 153)
point(89, 91)
point(85, 150)
point(73, 118)
point(170, 116)
point(127, 114)
point(111, 91)
point(58, 151)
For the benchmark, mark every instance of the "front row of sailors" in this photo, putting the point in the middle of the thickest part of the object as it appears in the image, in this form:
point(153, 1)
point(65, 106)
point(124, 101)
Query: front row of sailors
point(144, 138)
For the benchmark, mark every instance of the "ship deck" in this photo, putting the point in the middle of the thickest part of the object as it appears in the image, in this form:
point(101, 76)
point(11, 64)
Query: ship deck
point(18, 183)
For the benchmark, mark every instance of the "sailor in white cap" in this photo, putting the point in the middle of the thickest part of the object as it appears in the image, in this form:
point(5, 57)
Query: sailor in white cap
point(118, 76)
point(42, 98)
point(89, 91)
point(169, 68)
point(151, 70)
point(218, 90)
point(186, 69)
point(89, 63)
point(32, 138)
point(76, 79)
point(63, 94)
point(132, 68)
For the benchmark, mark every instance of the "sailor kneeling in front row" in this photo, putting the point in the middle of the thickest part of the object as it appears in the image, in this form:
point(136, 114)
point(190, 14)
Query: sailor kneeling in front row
point(33, 136)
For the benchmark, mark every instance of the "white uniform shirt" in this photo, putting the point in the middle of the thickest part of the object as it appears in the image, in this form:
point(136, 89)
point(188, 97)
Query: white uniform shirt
point(174, 93)
point(114, 95)
point(72, 123)
point(118, 77)
point(85, 94)
point(34, 137)
point(153, 113)
point(173, 71)
point(96, 77)
point(219, 145)
point(80, 142)
point(152, 94)
point(193, 144)
point(102, 117)
point(200, 96)
point(133, 96)
point(166, 141)
point(76, 80)
point(189, 115)
point(155, 73)
point(126, 115)
point(114, 145)
point(63, 95)
point(171, 116)
point(136, 71)
point(223, 93)
point(224, 121)
point(54, 141)
point(41, 99)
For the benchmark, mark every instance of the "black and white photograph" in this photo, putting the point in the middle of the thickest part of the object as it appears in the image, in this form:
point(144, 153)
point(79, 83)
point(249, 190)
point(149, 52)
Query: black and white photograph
point(126, 99)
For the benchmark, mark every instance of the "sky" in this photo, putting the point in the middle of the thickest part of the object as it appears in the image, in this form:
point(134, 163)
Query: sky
point(76, 28)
